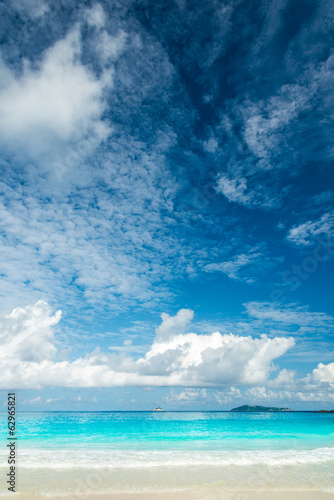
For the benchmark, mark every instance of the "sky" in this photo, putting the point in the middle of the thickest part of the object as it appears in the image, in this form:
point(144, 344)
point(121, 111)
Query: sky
point(167, 204)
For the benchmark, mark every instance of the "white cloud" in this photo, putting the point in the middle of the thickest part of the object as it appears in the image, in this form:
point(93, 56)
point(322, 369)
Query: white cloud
point(290, 314)
point(306, 233)
point(185, 396)
point(106, 46)
point(59, 102)
point(234, 189)
point(95, 16)
point(172, 325)
point(211, 145)
point(324, 373)
point(241, 367)
point(109, 47)
point(227, 396)
point(286, 390)
point(265, 121)
point(286, 387)
point(28, 351)
point(26, 333)
point(245, 189)
point(102, 245)
point(38, 399)
point(245, 266)
point(232, 267)
point(271, 137)
point(285, 378)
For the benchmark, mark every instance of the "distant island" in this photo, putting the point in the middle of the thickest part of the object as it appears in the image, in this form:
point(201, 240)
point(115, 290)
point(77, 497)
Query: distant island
point(247, 408)
point(158, 409)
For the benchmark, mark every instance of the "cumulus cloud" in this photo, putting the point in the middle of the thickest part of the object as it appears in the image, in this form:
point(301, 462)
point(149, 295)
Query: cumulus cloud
point(27, 334)
point(214, 359)
point(173, 324)
point(324, 373)
point(285, 379)
point(28, 356)
point(228, 395)
point(286, 389)
point(315, 387)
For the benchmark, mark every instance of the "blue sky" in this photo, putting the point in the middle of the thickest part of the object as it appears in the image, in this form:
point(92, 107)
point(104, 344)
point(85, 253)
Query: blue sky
point(166, 183)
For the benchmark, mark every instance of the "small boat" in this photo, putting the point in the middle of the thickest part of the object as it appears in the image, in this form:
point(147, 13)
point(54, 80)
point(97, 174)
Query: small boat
point(158, 409)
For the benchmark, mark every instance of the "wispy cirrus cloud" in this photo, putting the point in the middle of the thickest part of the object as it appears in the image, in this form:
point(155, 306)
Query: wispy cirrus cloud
point(268, 132)
point(313, 329)
point(306, 233)
point(231, 268)
point(245, 266)
point(289, 314)
point(235, 190)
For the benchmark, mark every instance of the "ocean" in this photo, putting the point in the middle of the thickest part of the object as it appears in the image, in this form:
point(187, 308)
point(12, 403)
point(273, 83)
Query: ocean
point(72, 453)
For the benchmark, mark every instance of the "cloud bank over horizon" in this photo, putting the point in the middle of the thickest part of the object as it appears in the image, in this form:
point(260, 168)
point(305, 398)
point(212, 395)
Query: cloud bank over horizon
point(29, 359)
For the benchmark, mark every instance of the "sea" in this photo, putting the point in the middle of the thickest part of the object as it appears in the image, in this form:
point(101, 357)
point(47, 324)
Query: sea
point(75, 453)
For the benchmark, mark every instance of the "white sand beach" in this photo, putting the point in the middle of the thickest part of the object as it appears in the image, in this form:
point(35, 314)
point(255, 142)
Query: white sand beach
point(190, 495)
point(311, 482)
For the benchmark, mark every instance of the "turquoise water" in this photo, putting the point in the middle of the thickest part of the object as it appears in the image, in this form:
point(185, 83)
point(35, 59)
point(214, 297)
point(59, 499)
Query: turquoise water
point(137, 449)
point(196, 430)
